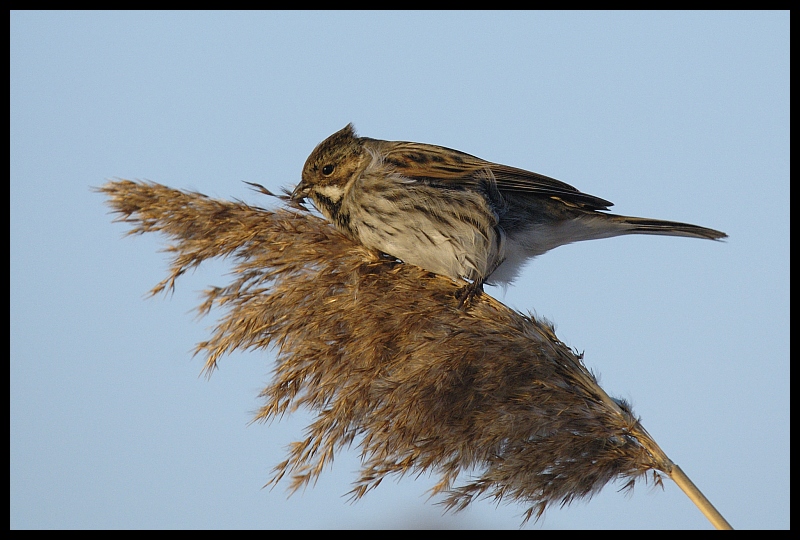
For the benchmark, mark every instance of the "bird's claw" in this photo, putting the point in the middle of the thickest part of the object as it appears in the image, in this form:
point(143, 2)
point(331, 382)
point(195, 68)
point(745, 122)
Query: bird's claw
point(465, 294)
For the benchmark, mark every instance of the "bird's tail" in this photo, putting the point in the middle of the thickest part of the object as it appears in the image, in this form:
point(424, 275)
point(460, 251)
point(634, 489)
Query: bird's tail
point(635, 225)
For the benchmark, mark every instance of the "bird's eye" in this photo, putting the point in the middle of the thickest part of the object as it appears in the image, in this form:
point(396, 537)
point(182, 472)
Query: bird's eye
point(327, 170)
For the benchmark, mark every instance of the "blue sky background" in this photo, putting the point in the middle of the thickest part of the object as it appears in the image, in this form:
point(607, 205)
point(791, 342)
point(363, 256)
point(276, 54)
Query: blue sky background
point(681, 116)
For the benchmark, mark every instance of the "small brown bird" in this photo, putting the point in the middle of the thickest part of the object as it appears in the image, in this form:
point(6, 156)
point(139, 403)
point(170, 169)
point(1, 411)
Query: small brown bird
point(453, 213)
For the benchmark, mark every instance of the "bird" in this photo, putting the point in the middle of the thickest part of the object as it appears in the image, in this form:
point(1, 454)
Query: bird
point(454, 214)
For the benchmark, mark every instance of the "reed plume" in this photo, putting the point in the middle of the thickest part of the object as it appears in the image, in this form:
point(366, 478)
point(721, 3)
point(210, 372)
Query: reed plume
point(485, 397)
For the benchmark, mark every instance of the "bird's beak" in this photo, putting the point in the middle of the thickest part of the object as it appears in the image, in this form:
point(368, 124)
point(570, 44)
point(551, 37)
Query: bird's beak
point(300, 192)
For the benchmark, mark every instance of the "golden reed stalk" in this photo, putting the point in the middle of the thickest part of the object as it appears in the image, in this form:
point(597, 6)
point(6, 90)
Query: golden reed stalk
point(383, 355)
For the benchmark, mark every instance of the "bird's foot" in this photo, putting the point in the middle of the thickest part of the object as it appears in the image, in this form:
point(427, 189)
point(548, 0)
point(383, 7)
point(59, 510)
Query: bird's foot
point(468, 292)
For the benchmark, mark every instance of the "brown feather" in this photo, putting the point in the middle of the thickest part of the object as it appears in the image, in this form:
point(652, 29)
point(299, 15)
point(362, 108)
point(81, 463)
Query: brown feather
point(459, 169)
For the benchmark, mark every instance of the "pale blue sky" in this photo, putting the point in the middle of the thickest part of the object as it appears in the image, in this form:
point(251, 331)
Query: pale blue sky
point(681, 116)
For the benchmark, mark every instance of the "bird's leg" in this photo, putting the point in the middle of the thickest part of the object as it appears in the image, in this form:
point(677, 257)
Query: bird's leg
point(465, 294)
point(469, 291)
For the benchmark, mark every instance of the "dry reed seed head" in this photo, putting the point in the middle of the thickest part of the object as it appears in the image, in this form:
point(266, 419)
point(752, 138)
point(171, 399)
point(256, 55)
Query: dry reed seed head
point(380, 351)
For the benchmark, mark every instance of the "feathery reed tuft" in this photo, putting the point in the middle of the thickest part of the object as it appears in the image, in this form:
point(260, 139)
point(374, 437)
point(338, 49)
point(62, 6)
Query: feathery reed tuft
point(384, 356)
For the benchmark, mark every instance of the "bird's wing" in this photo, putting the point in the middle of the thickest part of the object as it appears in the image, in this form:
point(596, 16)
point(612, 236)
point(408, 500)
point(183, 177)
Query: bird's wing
point(440, 165)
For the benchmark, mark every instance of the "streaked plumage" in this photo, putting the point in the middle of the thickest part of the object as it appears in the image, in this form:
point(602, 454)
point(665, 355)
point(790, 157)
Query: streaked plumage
point(453, 213)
